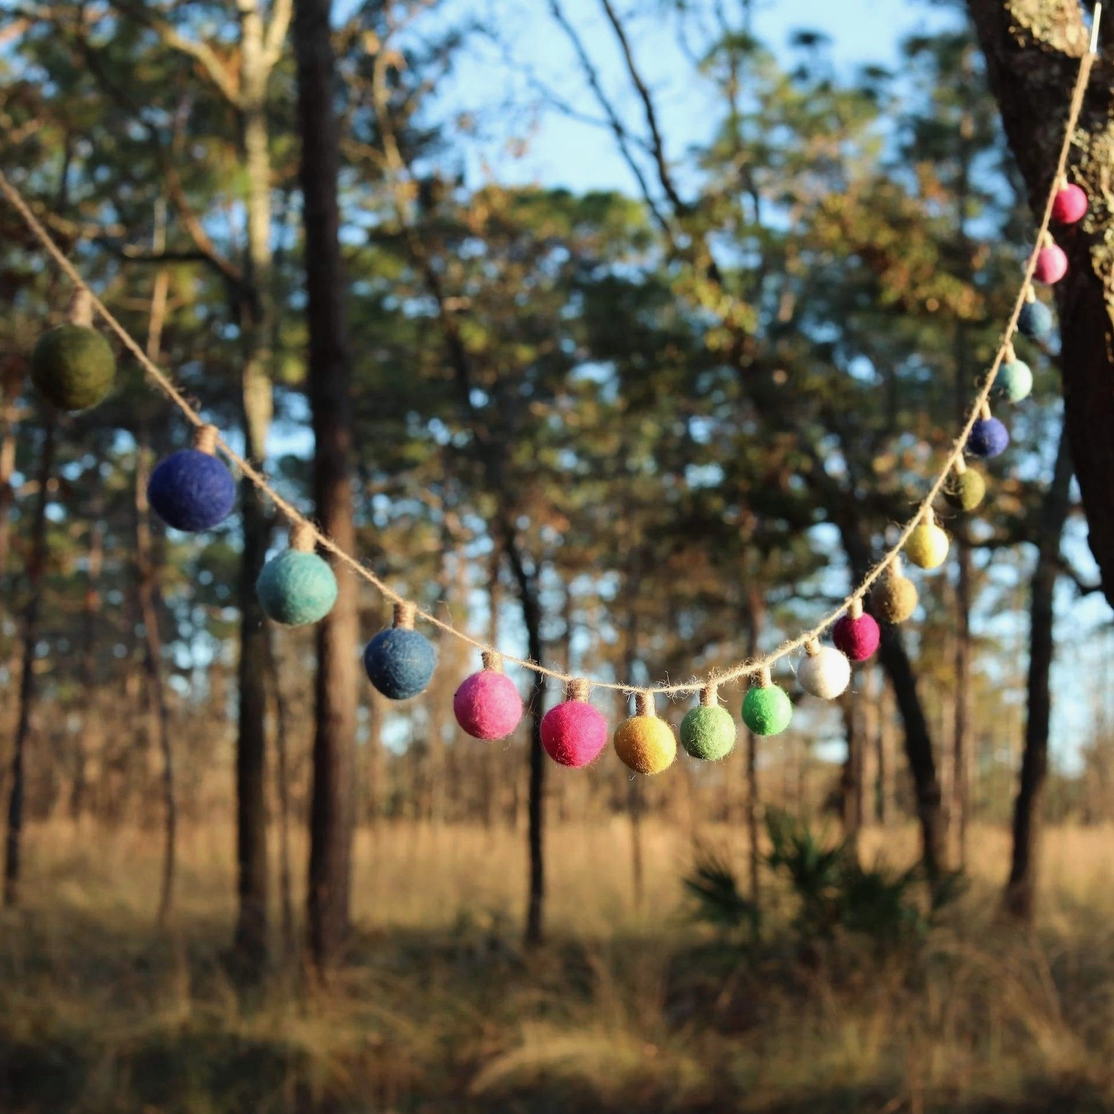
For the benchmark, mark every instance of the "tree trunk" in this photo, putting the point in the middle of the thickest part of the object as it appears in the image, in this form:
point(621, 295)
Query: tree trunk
point(282, 778)
point(330, 399)
point(1032, 50)
point(851, 777)
point(35, 570)
point(532, 618)
point(755, 619)
point(1021, 888)
point(91, 727)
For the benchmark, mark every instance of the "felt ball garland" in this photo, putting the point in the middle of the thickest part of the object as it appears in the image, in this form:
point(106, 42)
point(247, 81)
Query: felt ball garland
point(1015, 378)
point(767, 709)
point(856, 635)
point(988, 437)
point(1052, 263)
point(966, 489)
point(895, 598)
point(825, 672)
point(72, 365)
point(487, 704)
point(399, 661)
point(297, 587)
point(643, 742)
point(193, 490)
point(574, 733)
point(927, 545)
point(1035, 321)
point(1069, 204)
point(708, 730)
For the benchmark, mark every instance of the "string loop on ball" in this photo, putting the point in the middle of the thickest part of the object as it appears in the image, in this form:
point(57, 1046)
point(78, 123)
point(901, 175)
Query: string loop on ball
point(405, 613)
point(644, 704)
point(205, 439)
point(80, 309)
point(709, 696)
point(492, 660)
point(303, 537)
point(578, 689)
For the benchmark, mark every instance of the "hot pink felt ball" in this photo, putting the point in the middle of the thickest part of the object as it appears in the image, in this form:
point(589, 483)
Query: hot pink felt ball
point(487, 705)
point(857, 638)
point(1069, 205)
point(574, 733)
point(1052, 264)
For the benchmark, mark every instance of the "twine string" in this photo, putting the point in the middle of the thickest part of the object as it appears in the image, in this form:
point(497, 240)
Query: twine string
point(576, 685)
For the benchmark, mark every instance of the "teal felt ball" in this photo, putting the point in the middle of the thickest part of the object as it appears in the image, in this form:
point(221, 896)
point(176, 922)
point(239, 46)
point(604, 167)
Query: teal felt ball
point(767, 710)
point(708, 732)
point(73, 367)
point(1015, 379)
point(296, 588)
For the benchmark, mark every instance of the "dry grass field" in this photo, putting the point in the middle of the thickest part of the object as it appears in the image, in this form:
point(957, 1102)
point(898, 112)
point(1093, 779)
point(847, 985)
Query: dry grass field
point(626, 1009)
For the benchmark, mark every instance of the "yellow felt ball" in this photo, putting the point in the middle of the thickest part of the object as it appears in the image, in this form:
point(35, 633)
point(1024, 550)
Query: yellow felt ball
point(645, 744)
point(927, 546)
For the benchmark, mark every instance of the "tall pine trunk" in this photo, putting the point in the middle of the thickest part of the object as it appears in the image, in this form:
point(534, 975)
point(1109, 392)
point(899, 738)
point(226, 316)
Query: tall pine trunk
point(330, 399)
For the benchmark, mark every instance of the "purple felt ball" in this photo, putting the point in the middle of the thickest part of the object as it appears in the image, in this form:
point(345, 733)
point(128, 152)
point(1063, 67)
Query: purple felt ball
point(1069, 205)
point(191, 490)
point(574, 733)
point(487, 705)
point(1052, 264)
point(989, 437)
point(857, 638)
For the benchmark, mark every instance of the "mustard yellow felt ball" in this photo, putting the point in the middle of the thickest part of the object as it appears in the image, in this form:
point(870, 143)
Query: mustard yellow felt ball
point(645, 744)
point(927, 546)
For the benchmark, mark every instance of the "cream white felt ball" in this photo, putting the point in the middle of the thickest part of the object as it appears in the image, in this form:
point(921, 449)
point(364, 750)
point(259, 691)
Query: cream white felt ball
point(825, 674)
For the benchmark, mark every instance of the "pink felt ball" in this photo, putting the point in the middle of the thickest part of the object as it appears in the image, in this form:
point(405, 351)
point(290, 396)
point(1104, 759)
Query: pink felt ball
point(487, 705)
point(574, 733)
point(1052, 264)
point(1069, 205)
point(857, 638)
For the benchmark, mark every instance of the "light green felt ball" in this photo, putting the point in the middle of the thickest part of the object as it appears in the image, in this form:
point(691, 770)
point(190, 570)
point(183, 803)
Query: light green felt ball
point(767, 710)
point(296, 588)
point(73, 367)
point(708, 732)
point(1015, 379)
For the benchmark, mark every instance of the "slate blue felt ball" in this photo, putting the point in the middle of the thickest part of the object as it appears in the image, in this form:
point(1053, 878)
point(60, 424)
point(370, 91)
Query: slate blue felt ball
point(296, 588)
point(400, 662)
point(191, 490)
point(988, 438)
point(1035, 321)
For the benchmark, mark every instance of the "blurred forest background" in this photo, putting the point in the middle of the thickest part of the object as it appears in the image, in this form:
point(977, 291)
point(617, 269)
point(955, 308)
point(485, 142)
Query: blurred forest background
point(624, 334)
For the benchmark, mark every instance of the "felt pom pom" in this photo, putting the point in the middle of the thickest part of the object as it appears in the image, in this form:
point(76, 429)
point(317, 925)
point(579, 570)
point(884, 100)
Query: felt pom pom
point(966, 490)
point(708, 731)
point(297, 587)
point(487, 704)
point(767, 709)
point(857, 635)
point(1015, 379)
point(1069, 205)
point(192, 490)
point(927, 545)
point(574, 733)
point(825, 672)
point(1035, 321)
point(1052, 264)
point(399, 661)
point(988, 437)
point(73, 367)
point(895, 599)
point(645, 743)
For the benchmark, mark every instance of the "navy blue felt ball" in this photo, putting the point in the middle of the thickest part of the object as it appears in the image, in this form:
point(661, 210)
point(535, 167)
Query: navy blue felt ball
point(1035, 321)
point(988, 438)
point(400, 662)
point(191, 490)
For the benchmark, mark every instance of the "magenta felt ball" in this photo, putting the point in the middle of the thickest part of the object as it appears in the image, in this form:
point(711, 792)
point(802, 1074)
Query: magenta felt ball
point(574, 733)
point(487, 705)
point(1069, 205)
point(1052, 264)
point(857, 638)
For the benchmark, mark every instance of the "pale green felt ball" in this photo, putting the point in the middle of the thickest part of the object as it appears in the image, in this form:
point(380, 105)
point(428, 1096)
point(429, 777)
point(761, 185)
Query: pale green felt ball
point(767, 710)
point(1016, 379)
point(296, 588)
point(73, 367)
point(708, 732)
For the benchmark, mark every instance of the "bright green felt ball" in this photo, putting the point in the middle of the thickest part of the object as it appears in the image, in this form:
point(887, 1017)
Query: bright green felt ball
point(767, 711)
point(296, 588)
point(73, 367)
point(708, 732)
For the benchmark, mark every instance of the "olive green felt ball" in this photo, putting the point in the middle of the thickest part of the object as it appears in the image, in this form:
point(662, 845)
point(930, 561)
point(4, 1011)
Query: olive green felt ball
point(767, 710)
point(73, 367)
point(967, 491)
point(708, 732)
point(894, 600)
point(927, 546)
